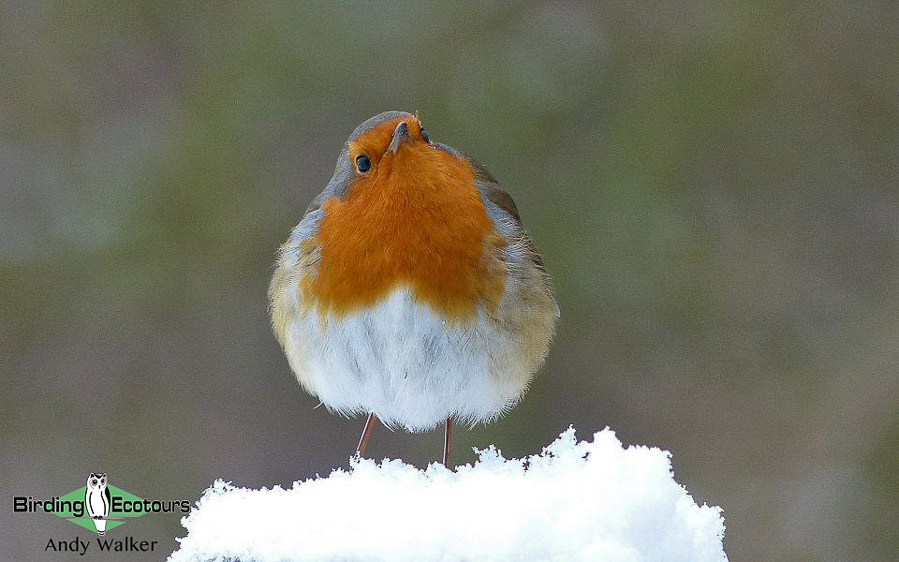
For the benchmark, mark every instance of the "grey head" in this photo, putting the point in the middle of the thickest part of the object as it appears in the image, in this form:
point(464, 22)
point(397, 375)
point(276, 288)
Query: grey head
point(343, 171)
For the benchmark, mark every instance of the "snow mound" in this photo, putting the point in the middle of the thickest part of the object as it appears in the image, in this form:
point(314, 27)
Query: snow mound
point(574, 501)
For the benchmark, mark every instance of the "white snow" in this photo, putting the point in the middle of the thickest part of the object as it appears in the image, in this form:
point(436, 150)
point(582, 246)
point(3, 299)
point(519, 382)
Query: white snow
point(574, 501)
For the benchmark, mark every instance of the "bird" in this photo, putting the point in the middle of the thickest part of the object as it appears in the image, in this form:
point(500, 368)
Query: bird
point(410, 292)
point(97, 500)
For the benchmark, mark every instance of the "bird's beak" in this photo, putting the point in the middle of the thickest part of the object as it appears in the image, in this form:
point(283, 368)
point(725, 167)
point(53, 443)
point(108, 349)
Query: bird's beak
point(400, 135)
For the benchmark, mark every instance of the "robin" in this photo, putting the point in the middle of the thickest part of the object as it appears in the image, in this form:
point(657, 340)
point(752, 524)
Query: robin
point(409, 291)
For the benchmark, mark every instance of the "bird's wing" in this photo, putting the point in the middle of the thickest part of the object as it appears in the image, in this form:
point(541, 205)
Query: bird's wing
point(494, 192)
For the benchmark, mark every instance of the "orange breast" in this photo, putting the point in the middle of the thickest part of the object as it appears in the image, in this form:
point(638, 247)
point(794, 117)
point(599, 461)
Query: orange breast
point(419, 221)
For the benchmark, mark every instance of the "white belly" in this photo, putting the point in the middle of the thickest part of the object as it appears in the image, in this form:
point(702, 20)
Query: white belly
point(406, 364)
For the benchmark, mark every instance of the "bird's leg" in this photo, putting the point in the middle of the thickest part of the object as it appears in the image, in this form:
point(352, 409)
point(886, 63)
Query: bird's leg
point(447, 437)
point(366, 431)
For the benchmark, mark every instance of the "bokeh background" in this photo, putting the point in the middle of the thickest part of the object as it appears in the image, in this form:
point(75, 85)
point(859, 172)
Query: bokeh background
point(713, 188)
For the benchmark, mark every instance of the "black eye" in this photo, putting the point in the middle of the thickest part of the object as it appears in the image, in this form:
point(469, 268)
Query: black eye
point(425, 136)
point(363, 163)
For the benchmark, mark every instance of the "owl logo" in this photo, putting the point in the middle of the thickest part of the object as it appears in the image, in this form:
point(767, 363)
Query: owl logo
point(96, 500)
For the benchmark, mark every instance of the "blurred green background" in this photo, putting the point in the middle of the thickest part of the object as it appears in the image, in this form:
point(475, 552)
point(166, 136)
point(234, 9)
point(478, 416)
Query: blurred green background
point(713, 188)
